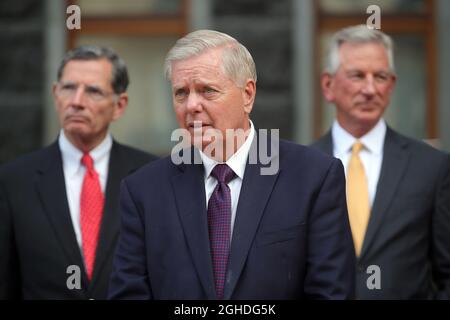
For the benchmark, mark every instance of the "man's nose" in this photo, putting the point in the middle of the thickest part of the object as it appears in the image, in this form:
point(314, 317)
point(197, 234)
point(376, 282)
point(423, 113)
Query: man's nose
point(79, 96)
point(369, 85)
point(194, 103)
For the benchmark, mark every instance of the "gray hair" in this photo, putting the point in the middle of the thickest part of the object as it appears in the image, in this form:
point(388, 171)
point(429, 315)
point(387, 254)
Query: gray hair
point(237, 62)
point(119, 79)
point(357, 34)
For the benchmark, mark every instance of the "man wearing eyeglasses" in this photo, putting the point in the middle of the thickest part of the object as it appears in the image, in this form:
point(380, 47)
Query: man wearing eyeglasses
point(59, 219)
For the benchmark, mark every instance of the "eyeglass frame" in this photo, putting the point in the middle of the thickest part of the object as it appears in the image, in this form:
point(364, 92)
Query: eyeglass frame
point(92, 92)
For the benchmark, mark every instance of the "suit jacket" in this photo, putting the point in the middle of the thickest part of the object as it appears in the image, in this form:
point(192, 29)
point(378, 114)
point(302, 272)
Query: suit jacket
point(408, 235)
point(37, 239)
point(291, 235)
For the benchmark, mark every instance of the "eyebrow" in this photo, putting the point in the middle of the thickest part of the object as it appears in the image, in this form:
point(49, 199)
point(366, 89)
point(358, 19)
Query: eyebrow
point(177, 88)
point(353, 70)
point(92, 86)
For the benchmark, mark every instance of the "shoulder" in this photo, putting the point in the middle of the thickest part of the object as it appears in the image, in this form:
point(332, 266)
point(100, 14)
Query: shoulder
point(419, 150)
point(133, 153)
point(304, 155)
point(424, 164)
point(307, 162)
point(25, 164)
point(324, 143)
point(156, 171)
point(154, 178)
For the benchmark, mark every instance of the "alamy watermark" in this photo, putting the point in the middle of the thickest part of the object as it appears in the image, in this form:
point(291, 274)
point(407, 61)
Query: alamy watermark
point(373, 282)
point(73, 21)
point(74, 279)
point(264, 149)
point(374, 20)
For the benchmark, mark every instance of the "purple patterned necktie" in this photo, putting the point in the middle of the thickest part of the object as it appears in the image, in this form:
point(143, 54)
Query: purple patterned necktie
point(219, 220)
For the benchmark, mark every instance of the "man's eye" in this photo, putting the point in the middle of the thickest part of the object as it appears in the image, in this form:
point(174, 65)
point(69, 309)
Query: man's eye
point(356, 76)
point(68, 87)
point(209, 90)
point(180, 93)
point(94, 91)
point(382, 77)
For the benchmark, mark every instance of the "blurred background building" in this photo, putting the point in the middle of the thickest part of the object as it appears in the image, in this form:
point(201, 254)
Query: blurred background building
point(286, 38)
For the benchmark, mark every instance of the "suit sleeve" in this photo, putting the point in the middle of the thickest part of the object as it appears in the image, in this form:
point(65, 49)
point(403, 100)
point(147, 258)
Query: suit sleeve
point(129, 279)
point(9, 268)
point(441, 234)
point(331, 256)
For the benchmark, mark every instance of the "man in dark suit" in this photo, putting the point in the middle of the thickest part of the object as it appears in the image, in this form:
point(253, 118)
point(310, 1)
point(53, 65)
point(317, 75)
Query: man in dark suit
point(402, 232)
point(223, 227)
point(59, 220)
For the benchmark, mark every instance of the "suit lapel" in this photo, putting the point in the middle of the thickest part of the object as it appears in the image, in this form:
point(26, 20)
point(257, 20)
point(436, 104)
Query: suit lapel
point(189, 190)
point(52, 191)
point(254, 194)
point(109, 230)
point(395, 160)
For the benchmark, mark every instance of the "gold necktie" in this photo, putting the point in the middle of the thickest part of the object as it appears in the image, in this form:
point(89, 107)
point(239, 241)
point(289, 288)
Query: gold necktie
point(357, 197)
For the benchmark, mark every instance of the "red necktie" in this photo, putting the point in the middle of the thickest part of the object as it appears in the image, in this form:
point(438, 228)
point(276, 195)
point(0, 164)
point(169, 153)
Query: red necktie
point(219, 224)
point(91, 209)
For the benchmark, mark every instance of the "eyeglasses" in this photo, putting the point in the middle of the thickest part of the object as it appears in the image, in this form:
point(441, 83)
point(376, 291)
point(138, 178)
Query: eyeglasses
point(93, 93)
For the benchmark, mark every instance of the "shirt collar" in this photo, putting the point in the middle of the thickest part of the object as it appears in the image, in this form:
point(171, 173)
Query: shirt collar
point(236, 162)
point(373, 140)
point(72, 155)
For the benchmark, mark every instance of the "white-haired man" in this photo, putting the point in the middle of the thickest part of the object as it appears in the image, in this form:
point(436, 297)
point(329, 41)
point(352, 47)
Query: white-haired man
point(221, 229)
point(398, 189)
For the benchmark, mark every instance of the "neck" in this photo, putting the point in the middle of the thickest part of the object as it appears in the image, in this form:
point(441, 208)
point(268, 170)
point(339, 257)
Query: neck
point(85, 144)
point(357, 130)
point(224, 150)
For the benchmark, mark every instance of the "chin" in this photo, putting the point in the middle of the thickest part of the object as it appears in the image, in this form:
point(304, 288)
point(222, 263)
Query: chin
point(369, 121)
point(79, 130)
point(372, 115)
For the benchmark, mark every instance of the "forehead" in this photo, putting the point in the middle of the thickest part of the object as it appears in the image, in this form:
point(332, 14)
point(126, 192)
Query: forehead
point(368, 55)
point(206, 66)
point(88, 71)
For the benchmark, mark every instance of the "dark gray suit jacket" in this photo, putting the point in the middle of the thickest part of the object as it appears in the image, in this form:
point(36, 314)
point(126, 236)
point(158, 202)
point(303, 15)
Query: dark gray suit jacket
point(37, 239)
point(408, 235)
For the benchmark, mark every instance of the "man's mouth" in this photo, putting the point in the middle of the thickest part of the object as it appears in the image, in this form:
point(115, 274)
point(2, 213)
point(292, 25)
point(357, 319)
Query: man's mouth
point(367, 105)
point(76, 119)
point(199, 125)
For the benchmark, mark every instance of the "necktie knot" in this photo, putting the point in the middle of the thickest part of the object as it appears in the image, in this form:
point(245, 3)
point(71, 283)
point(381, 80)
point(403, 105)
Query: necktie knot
point(357, 147)
point(223, 173)
point(87, 161)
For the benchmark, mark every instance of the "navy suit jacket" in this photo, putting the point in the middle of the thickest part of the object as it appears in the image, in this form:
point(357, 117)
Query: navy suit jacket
point(408, 235)
point(291, 236)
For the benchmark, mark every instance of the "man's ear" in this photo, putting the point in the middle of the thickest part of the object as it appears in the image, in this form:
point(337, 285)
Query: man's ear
point(249, 94)
point(120, 105)
point(326, 83)
point(54, 93)
point(393, 82)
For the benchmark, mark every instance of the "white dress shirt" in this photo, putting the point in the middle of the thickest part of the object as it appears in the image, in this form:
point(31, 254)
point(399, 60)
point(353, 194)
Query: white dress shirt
point(237, 163)
point(371, 155)
point(74, 172)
